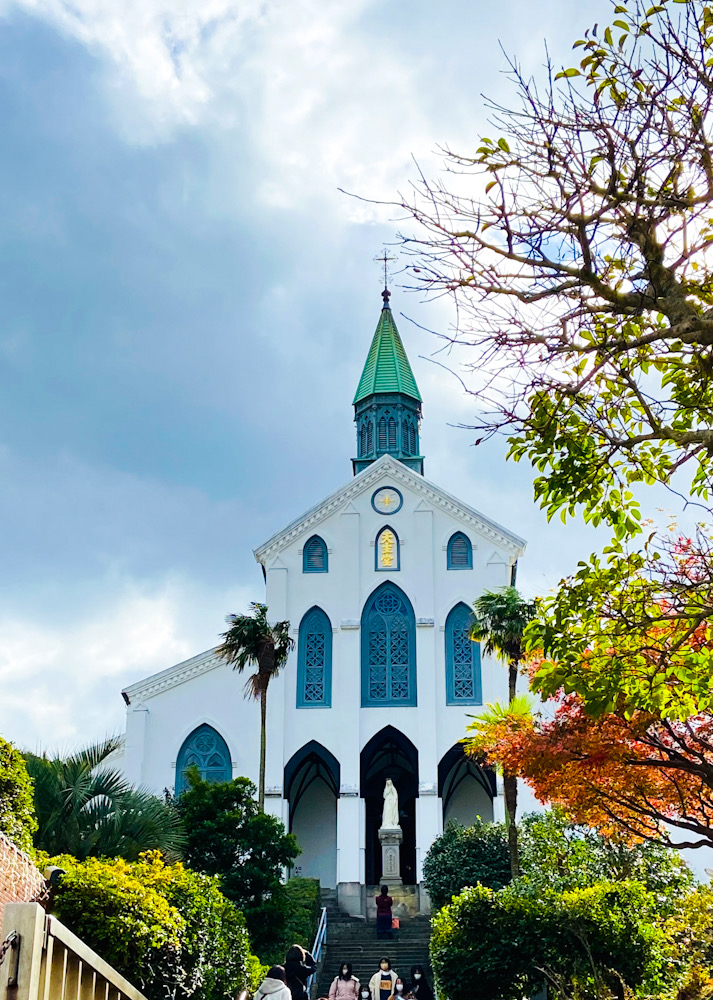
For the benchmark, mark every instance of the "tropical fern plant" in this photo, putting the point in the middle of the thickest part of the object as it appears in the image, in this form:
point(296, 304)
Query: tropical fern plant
point(85, 807)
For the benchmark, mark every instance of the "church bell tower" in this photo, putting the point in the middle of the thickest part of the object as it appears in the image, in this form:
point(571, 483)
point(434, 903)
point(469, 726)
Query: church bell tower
point(387, 404)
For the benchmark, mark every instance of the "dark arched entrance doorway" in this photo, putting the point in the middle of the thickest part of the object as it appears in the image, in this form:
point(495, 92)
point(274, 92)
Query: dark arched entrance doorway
point(465, 788)
point(390, 754)
point(312, 789)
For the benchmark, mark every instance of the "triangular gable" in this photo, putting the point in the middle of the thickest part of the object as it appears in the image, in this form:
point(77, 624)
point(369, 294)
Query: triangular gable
point(396, 472)
point(172, 677)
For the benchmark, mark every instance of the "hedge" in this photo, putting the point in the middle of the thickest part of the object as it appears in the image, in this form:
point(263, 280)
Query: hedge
point(17, 811)
point(169, 930)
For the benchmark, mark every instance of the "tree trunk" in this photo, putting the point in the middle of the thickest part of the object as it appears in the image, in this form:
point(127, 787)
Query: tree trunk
point(510, 794)
point(263, 747)
point(510, 787)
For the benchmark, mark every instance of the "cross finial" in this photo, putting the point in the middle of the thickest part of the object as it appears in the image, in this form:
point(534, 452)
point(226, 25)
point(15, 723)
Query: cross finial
point(386, 294)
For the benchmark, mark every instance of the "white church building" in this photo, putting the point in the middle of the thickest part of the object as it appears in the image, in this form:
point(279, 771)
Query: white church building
point(378, 581)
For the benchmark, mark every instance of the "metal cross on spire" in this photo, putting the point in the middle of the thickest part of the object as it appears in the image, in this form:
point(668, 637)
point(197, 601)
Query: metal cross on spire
point(386, 294)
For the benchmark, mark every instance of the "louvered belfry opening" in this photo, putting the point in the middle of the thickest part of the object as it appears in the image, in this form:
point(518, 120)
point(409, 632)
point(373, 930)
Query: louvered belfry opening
point(460, 552)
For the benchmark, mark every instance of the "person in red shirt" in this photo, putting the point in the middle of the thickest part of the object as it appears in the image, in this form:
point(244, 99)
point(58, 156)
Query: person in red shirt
point(384, 914)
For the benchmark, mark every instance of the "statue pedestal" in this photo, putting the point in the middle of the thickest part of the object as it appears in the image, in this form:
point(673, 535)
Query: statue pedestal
point(391, 838)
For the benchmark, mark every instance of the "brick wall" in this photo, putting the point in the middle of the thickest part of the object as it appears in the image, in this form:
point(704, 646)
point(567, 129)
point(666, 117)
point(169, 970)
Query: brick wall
point(20, 881)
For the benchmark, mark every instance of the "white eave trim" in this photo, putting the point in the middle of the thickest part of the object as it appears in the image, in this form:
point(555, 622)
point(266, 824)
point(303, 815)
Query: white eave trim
point(399, 473)
point(172, 677)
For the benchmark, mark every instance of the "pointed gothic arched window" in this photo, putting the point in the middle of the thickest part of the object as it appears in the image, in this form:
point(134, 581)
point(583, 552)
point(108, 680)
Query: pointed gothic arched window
point(369, 437)
point(463, 682)
point(388, 648)
point(205, 749)
point(362, 440)
point(314, 556)
point(412, 439)
point(392, 434)
point(314, 661)
point(382, 434)
point(387, 554)
point(460, 552)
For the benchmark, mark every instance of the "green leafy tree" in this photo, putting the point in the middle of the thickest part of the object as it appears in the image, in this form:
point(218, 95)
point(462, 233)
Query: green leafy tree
point(501, 619)
point(17, 813)
point(252, 641)
point(464, 856)
point(580, 261)
point(86, 808)
point(228, 835)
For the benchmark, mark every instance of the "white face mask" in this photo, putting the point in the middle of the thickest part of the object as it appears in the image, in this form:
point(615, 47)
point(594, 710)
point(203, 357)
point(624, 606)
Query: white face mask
point(345, 971)
point(417, 975)
point(365, 994)
point(384, 968)
point(399, 988)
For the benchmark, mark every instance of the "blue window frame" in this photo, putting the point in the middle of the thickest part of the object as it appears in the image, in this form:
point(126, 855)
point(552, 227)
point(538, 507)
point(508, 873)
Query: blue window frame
point(205, 749)
point(463, 681)
point(314, 556)
point(314, 661)
point(388, 649)
point(460, 552)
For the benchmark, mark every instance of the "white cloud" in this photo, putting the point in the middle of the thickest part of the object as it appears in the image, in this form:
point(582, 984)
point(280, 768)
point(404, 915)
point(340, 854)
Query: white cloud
point(61, 685)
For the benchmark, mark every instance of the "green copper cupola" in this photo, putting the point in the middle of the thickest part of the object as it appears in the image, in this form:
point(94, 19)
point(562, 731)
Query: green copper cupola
point(387, 404)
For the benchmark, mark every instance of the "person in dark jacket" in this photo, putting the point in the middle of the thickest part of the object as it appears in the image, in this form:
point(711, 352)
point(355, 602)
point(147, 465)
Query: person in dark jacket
point(418, 984)
point(299, 966)
point(384, 914)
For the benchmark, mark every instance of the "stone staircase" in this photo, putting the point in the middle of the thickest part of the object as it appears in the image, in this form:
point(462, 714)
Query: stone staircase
point(353, 939)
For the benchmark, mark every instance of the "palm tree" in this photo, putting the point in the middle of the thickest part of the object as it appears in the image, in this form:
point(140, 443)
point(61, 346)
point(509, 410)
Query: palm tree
point(252, 641)
point(501, 618)
point(85, 807)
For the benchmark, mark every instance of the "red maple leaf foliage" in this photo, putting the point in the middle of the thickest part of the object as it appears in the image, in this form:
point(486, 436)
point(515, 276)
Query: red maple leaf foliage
point(640, 778)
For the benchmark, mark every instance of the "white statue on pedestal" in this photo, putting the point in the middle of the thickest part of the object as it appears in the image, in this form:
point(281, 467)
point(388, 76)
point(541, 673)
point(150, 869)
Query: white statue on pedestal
point(390, 817)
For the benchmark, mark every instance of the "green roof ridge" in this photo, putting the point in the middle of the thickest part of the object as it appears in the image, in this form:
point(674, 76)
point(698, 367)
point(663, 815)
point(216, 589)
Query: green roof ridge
point(387, 368)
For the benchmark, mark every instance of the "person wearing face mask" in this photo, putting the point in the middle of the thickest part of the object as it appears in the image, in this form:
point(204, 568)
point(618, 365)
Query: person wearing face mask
point(364, 993)
point(419, 985)
point(383, 981)
point(400, 991)
point(345, 985)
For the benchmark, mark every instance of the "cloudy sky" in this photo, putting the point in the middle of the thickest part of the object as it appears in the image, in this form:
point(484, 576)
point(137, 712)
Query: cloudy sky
point(187, 301)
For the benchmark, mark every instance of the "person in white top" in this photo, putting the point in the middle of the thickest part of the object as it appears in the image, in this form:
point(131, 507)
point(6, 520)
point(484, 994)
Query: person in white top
point(274, 985)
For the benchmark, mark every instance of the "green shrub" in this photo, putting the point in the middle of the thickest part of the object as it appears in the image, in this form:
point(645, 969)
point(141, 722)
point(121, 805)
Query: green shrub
point(302, 896)
point(17, 812)
point(588, 942)
point(169, 930)
point(464, 856)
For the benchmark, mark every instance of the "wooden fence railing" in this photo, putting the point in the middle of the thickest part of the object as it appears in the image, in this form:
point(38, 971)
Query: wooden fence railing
point(45, 961)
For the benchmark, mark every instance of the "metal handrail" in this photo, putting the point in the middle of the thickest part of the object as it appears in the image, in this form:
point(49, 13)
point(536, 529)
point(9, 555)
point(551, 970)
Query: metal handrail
point(319, 940)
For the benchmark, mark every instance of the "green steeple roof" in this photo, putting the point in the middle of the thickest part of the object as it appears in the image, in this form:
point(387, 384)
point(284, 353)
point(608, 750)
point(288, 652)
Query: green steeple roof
point(387, 368)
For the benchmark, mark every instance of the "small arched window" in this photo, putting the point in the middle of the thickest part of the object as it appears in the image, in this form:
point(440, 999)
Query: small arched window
point(412, 439)
point(314, 556)
point(463, 682)
point(314, 661)
point(205, 749)
point(369, 437)
point(362, 440)
point(387, 554)
point(460, 552)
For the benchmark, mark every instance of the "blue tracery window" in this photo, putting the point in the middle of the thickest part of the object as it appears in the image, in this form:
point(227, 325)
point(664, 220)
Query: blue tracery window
point(314, 556)
point(207, 750)
point(463, 683)
point(460, 552)
point(314, 661)
point(388, 648)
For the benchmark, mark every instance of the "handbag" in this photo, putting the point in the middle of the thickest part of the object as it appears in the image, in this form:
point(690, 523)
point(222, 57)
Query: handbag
point(395, 923)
